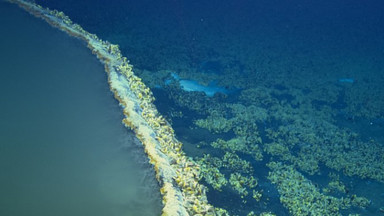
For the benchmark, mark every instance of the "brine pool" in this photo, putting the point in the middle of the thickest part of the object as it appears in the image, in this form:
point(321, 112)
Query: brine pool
point(63, 148)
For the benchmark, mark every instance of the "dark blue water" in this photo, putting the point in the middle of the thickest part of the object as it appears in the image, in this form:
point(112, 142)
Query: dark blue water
point(309, 76)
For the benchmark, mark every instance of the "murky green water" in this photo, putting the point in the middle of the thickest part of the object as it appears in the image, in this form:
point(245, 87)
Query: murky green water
point(63, 149)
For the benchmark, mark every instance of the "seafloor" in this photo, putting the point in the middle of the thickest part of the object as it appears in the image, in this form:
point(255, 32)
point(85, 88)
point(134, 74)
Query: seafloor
point(297, 124)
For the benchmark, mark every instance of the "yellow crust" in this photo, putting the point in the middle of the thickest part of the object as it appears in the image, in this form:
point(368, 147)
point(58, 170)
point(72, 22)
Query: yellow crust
point(177, 175)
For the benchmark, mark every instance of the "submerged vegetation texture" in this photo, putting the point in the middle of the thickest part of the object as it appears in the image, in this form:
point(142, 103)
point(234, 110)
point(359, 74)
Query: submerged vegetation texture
point(275, 138)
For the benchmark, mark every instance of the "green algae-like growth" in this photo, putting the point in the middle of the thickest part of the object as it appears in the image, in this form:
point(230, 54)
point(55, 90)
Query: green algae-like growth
point(223, 108)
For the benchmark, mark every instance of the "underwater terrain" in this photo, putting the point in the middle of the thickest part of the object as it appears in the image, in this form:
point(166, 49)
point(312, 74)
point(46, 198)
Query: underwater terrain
point(278, 105)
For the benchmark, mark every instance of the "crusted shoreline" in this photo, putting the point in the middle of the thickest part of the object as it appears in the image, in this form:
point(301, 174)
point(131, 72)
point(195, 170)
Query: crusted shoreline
point(177, 175)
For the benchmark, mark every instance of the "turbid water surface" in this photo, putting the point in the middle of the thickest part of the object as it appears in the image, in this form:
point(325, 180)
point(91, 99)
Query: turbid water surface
point(63, 149)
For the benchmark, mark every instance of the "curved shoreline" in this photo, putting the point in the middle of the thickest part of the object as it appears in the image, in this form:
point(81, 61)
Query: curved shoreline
point(176, 174)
